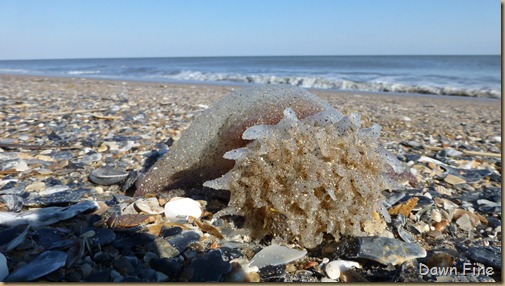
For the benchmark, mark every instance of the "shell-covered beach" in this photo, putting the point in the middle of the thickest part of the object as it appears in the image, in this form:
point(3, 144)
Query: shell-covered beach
point(56, 132)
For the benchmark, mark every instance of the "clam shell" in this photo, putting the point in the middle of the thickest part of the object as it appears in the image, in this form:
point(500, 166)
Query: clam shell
point(107, 176)
point(180, 208)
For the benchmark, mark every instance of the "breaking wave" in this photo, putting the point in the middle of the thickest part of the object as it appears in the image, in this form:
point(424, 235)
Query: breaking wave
point(341, 84)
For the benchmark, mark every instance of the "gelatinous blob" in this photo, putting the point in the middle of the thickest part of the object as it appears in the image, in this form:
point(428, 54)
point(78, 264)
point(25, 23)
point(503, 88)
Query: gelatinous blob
point(295, 166)
point(311, 176)
point(198, 155)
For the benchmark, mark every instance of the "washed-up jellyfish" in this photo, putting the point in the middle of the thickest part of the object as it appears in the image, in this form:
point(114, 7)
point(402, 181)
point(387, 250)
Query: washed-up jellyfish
point(295, 166)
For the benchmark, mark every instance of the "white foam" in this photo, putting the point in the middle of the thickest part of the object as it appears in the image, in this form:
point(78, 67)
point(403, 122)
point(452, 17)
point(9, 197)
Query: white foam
point(83, 72)
point(336, 83)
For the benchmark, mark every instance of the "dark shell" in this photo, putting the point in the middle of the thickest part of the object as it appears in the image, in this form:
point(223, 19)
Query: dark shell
point(107, 176)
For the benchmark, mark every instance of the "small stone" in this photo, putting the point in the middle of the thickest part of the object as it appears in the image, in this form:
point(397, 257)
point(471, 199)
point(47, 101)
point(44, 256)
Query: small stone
point(167, 266)
point(123, 265)
point(454, 180)
point(208, 268)
point(276, 255)
point(440, 260)
point(86, 270)
point(334, 268)
point(35, 187)
point(163, 248)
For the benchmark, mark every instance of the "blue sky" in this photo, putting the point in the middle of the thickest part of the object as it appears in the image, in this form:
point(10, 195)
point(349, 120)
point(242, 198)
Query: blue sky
point(42, 29)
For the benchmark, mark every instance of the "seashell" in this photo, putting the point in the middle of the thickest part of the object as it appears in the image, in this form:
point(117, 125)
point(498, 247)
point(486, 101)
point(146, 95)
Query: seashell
point(198, 155)
point(334, 268)
point(16, 241)
point(4, 269)
point(276, 255)
point(181, 208)
point(44, 264)
point(405, 235)
point(56, 199)
point(19, 165)
point(13, 202)
point(387, 250)
point(46, 216)
point(107, 176)
point(149, 206)
point(53, 189)
point(128, 221)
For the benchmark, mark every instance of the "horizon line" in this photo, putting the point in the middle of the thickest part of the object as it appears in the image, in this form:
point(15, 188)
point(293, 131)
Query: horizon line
point(245, 56)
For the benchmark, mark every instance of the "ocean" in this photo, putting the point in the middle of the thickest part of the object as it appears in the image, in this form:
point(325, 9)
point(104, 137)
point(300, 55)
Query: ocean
point(474, 76)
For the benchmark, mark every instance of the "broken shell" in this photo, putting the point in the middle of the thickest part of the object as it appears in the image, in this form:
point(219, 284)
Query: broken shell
point(4, 270)
point(128, 221)
point(275, 255)
point(44, 264)
point(107, 176)
point(181, 208)
point(336, 267)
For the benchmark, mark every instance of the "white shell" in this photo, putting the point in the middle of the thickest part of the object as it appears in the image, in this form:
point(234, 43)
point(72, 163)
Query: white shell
point(4, 270)
point(276, 255)
point(335, 267)
point(180, 208)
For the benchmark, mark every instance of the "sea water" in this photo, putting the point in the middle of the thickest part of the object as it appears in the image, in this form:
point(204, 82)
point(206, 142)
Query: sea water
point(476, 76)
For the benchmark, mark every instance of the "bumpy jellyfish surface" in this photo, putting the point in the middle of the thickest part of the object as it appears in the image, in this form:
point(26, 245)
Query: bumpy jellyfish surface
point(303, 178)
point(295, 166)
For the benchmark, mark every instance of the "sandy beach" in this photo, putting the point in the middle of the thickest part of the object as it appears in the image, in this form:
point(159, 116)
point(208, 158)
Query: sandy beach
point(120, 123)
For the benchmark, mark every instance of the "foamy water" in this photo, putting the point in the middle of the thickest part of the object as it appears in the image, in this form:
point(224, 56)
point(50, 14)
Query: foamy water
point(475, 76)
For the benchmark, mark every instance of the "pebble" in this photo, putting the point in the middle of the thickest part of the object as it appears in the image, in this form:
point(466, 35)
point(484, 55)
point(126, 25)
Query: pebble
point(180, 242)
point(276, 255)
point(44, 264)
point(178, 209)
point(209, 267)
point(168, 266)
point(165, 249)
point(86, 270)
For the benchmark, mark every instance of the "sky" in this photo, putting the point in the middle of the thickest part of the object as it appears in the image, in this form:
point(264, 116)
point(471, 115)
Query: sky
point(57, 29)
